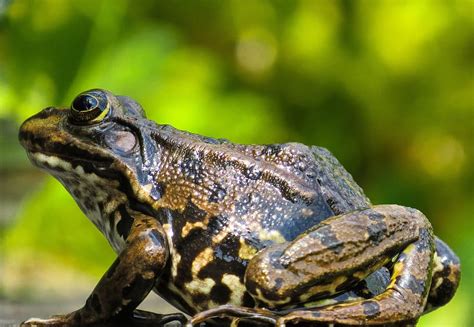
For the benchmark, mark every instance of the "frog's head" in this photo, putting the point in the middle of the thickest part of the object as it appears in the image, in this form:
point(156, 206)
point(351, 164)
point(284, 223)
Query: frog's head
point(101, 137)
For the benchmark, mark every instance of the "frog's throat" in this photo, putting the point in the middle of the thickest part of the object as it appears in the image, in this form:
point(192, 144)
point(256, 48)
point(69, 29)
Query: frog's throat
point(98, 197)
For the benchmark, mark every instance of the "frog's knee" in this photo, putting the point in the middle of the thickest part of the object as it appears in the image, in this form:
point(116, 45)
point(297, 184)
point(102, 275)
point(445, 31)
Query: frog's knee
point(267, 280)
point(404, 217)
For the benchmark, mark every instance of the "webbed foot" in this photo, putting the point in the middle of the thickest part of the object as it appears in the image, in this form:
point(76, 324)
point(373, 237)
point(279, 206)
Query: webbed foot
point(57, 320)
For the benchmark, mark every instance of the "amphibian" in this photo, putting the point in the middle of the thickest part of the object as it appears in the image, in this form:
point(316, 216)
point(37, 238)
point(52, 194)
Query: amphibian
point(253, 234)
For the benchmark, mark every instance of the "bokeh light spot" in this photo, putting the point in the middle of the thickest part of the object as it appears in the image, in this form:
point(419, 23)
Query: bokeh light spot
point(439, 155)
point(256, 51)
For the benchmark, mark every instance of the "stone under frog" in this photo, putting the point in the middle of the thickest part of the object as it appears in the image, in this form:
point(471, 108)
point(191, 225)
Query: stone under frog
point(232, 234)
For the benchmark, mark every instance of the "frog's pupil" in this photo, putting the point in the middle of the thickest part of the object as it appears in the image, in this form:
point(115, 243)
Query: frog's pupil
point(85, 102)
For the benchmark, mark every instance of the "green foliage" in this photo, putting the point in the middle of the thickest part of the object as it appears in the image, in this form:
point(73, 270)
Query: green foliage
point(386, 86)
point(53, 223)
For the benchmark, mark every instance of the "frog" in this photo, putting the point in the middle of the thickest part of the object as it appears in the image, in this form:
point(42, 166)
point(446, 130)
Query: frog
point(232, 234)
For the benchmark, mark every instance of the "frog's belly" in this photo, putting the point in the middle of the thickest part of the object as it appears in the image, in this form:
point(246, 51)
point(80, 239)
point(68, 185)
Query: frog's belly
point(191, 300)
point(200, 276)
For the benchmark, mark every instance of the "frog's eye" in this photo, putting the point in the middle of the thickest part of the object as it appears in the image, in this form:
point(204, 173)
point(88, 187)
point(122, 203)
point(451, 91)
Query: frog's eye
point(89, 107)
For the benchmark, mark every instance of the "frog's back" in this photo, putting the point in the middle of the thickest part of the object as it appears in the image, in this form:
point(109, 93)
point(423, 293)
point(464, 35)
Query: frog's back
point(337, 186)
point(299, 172)
point(277, 187)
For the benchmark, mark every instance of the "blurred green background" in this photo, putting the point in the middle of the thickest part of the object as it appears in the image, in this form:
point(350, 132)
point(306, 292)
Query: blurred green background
point(387, 86)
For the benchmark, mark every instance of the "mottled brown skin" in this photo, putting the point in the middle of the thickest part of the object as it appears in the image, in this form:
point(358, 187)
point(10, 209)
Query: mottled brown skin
point(249, 234)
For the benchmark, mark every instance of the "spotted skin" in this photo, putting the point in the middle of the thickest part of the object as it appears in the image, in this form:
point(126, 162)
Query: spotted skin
point(233, 234)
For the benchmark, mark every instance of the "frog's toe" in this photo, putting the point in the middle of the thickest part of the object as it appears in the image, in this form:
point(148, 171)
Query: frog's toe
point(256, 316)
point(33, 322)
point(145, 318)
point(50, 322)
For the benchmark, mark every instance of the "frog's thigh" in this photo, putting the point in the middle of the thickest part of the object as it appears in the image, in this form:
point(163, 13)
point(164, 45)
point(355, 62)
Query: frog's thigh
point(132, 275)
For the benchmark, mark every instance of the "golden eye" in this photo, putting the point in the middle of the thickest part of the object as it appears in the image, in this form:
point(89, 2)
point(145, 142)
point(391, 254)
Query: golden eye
point(90, 107)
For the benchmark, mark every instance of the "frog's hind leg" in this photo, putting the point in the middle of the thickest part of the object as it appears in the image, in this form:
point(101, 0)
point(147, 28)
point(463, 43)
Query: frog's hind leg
point(402, 301)
point(338, 253)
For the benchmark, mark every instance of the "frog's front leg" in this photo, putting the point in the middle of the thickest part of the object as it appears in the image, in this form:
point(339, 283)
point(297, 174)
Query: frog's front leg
point(126, 283)
point(338, 253)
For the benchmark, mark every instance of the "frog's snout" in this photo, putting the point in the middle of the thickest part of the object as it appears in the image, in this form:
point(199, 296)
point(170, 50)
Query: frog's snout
point(39, 127)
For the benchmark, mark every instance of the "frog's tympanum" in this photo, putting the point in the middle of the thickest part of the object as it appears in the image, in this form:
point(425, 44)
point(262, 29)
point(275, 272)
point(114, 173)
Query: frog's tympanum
point(232, 234)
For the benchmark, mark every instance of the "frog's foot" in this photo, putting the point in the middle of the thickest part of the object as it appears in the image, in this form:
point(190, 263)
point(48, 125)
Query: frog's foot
point(58, 320)
point(139, 318)
point(37, 322)
point(313, 318)
point(145, 318)
point(262, 316)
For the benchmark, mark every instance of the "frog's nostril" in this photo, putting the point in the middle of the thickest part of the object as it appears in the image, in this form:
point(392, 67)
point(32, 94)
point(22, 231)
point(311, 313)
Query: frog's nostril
point(45, 113)
point(24, 133)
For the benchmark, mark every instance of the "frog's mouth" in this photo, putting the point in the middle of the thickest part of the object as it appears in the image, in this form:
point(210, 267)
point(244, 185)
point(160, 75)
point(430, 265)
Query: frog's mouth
point(60, 164)
point(66, 159)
